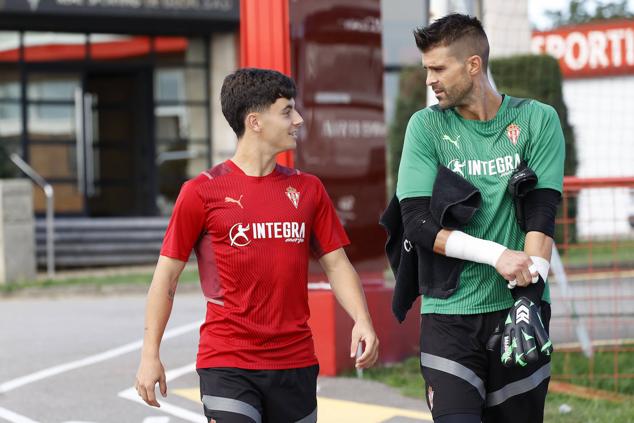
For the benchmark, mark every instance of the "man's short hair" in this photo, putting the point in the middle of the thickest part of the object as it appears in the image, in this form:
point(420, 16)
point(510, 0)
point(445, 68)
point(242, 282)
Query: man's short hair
point(451, 29)
point(252, 90)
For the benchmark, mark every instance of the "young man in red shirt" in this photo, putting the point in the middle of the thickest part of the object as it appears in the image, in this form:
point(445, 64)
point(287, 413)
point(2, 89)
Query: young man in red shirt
point(253, 224)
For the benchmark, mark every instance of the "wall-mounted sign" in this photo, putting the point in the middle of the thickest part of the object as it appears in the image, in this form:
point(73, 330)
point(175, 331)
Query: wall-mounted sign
point(226, 10)
point(595, 49)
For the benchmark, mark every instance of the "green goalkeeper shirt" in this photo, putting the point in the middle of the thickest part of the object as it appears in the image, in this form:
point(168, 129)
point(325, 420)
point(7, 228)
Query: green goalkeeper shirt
point(485, 153)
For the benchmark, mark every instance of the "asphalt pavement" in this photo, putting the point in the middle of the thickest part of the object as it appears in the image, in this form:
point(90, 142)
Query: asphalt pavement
point(69, 355)
point(68, 358)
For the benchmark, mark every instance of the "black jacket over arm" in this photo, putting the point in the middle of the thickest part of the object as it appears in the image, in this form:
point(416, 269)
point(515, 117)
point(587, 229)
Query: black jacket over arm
point(418, 271)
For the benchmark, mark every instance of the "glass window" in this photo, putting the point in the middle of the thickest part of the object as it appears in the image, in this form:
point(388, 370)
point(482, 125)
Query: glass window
point(197, 122)
point(180, 50)
point(10, 111)
point(179, 84)
point(181, 122)
point(49, 122)
point(54, 46)
point(195, 84)
point(9, 46)
point(195, 51)
point(169, 85)
point(114, 47)
point(9, 90)
point(52, 86)
point(10, 124)
point(53, 89)
point(182, 147)
point(9, 83)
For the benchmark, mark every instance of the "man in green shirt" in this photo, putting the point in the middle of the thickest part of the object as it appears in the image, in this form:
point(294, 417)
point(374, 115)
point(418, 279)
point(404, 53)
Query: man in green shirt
point(483, 136)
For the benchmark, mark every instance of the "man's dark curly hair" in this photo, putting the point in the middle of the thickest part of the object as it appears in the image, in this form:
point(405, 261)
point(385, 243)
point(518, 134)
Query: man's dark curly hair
point(451, 29)
point(252, 90)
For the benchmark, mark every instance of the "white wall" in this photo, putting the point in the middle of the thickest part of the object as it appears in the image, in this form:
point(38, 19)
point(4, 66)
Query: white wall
point(224, 60)
point(600, 111)
point(507, 26)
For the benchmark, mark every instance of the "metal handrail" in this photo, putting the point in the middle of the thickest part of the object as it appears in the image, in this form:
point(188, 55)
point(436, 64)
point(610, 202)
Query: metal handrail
point(50, 221)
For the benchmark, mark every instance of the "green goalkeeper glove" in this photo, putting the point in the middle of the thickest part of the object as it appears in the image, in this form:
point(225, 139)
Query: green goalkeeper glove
point(524, 337)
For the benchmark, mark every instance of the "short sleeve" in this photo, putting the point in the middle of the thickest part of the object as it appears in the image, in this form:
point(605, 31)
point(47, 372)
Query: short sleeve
point(419, 165)
point(327, 232)
point(547, 150)
point(186, 224)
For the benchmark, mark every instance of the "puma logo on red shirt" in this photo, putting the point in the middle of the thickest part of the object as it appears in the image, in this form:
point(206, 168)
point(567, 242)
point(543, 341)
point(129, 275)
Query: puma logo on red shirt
point(231, 200)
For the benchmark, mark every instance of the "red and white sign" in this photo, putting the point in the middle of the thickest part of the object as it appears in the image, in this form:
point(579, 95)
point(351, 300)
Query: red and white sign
point(594, 49)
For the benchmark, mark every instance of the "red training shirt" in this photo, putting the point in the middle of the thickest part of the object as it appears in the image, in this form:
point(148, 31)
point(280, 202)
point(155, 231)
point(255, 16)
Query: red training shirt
point(252, 237)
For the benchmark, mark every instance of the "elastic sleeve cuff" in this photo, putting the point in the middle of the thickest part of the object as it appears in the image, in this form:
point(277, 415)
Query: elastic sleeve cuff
point(418, 223)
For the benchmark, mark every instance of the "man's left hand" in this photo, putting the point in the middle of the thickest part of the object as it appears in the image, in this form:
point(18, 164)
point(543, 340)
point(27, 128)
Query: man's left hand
point(363, 332)
point(524, 337)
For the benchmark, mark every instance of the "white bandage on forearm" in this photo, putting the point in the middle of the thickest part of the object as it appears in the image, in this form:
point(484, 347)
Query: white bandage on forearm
point(542, 265)
point(466, 247)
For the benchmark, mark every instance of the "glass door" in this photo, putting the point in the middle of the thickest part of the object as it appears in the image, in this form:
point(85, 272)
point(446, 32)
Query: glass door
point(89, 134)
point(55, 126)
point(116, 123)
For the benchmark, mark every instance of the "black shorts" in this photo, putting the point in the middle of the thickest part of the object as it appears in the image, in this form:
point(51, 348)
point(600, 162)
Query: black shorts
point(463, 377)
point(232, 395)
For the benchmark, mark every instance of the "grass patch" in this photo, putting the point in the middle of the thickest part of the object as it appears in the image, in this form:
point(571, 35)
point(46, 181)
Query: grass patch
point(188, 276)
point(599, 254)
point(598, 371)
point(586, 411)
point(406, 377)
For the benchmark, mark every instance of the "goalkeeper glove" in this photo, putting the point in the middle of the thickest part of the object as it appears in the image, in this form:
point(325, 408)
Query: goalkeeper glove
point(523, 335)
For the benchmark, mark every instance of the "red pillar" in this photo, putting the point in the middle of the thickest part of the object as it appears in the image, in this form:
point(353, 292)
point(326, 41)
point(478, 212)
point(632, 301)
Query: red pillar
point(265, 42)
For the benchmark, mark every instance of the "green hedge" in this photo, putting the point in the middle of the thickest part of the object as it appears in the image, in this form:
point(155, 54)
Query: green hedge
point(412, 97)
point(537, 77)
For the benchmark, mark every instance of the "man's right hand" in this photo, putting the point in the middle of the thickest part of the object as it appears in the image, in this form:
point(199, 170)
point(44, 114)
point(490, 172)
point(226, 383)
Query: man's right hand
point(516, 267)
point(150, 372)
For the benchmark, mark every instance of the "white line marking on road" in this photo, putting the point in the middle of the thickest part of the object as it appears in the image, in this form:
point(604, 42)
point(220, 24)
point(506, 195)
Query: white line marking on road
point(175, 411)
point(176, 373)
point(14, 417)
point(124, 349)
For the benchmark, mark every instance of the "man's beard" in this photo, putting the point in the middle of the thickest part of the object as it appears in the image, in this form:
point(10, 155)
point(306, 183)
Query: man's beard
point(457, 96)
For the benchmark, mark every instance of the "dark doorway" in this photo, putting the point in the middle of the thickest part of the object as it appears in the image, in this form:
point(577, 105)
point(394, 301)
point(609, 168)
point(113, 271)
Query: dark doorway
point(119, 153)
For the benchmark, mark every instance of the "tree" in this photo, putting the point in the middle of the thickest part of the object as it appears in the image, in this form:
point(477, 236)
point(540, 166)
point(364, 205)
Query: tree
point(579, 12)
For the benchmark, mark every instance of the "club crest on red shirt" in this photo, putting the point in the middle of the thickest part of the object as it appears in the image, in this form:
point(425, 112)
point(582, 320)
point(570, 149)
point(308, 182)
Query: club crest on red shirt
point(513, 132)
point(293, 195)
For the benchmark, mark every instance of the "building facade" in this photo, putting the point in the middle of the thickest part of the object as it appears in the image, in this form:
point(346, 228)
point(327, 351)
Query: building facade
point(115, 103)
point(110, 101)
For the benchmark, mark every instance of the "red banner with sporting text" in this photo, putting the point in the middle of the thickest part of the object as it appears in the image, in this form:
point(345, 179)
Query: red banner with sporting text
point(588, 50)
